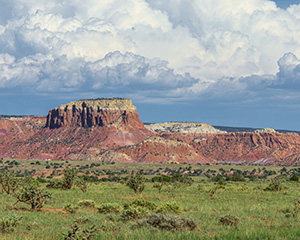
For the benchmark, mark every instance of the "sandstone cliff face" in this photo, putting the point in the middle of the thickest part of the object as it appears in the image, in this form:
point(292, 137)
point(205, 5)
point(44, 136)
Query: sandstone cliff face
point(89, 113)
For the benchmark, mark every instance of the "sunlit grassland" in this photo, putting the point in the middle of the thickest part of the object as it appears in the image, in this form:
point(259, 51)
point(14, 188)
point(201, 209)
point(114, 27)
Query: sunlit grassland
point(262, 214)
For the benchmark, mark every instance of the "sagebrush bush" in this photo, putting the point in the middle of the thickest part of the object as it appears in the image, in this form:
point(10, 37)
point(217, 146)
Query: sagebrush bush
point(170, 207)
point(109, 208)
point(229, 220)
point(141, 203)
point(86, 203)
point(9, 223)
point(134, 212)
point(168, 222)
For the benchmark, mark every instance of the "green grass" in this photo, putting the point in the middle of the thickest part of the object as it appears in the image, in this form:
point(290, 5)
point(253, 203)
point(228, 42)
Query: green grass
point(262, 214)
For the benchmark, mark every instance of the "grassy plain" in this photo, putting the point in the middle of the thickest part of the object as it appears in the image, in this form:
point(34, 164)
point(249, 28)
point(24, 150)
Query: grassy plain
point(262, 214)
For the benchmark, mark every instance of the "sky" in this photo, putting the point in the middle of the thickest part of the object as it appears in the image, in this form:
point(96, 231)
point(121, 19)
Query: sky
point(222, 62)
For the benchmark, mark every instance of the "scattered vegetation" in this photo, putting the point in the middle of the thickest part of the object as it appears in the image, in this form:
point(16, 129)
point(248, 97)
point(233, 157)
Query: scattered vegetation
point(187, 203)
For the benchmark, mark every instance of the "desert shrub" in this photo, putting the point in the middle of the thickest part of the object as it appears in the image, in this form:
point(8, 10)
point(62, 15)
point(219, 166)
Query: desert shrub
point(9, 223)
point(75, 233)
point(275, 185)
point(229, 220)
point(55, 184)
point(132, 213)
point(69, 178)
point(295, 178)
point(109, 208)
point(168, 222)
point(32, 195)
point(86, 203)
point(219, 179)
point(141, 203)
point(82, 184)
point(170, 207)
point(184, 180)
point(238, 177)
point(71, 208)
point(137, 183)
point(9, 182)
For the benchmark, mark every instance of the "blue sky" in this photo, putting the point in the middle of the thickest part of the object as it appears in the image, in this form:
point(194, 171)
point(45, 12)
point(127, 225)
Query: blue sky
point(286, 3)
point(222, 62)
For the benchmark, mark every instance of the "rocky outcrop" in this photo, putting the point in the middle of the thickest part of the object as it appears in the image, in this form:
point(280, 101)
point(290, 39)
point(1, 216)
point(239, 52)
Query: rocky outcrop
point(89, 113)
point(182, 127)
point(265, 130)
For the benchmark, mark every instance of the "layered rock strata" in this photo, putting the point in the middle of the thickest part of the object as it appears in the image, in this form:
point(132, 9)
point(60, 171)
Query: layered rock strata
point(89, 113)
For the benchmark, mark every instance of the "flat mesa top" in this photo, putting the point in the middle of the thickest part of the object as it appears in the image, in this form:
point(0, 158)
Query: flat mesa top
point(103, 103)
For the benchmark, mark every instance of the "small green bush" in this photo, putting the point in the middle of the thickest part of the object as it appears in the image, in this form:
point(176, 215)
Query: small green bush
point(295, 178)
point(137, 183)
point(170, 207)
point(109, 208)
point(275, 185)
point(9, 223)
point(141, 203)
point(229, 220)
point(86, 203)
point(71, 208)
point(168, 222)
point(132, 213)
point(75, 233)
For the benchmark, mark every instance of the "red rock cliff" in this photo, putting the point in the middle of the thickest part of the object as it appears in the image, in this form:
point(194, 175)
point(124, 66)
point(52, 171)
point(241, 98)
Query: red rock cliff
point(89, 113)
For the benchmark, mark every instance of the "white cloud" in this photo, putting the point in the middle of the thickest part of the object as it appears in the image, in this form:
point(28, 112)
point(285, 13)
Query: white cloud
point(187, 48)
point(289, 74)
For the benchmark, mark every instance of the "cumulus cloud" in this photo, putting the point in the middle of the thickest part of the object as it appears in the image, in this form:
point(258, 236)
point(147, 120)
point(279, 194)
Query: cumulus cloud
point(181, 48)
point(289, 74)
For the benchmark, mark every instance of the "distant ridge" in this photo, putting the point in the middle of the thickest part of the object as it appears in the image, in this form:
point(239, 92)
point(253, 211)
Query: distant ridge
point(248, 129)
